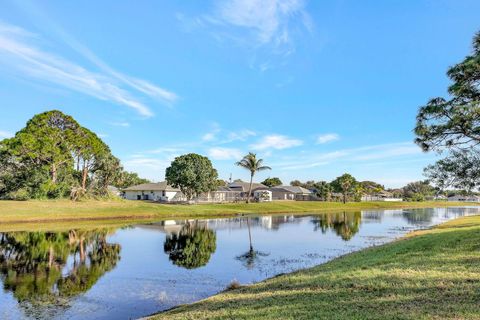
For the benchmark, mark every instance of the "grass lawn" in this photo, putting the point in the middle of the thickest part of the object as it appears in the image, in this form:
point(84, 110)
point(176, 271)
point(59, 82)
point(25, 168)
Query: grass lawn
point(66, 210)
point(433, 274)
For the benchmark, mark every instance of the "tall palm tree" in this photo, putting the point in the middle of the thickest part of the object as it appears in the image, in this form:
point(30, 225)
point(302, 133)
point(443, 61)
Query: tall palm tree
point(251, 163)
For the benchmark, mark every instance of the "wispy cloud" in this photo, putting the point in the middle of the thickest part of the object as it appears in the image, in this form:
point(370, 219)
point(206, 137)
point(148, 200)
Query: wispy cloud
point(269, 25)
point(19, 51)
point(276, 141)
point(224, 154)
point(355, 155)
point(269, 21)
point(120, 124)
point(5, 134)
point(328, 137)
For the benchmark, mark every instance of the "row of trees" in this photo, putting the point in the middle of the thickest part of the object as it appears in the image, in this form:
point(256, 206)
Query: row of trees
point(54, 157)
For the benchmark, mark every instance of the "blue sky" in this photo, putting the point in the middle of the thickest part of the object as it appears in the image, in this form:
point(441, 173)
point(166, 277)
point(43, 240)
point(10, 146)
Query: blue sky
point(316, 88)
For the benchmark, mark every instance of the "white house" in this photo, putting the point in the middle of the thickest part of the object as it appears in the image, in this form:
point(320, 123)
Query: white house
point(159, 191)
point(460, 198)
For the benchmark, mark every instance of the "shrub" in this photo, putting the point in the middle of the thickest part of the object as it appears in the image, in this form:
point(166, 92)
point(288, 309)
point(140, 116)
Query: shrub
point(21, 194)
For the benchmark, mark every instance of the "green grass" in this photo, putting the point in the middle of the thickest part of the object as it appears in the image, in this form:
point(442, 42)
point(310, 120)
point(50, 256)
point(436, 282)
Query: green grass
point(433, 274)
point(16, 215)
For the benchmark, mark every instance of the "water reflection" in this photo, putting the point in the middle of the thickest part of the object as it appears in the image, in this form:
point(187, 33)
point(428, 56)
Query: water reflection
point(345, 224)
point(35, 266)
point(192, 246)
point(78, 274)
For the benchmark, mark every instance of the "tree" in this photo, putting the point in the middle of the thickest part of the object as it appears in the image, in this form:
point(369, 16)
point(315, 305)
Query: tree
point(371, 187)
point(460, 170)
point(54, 156)
point(127, 179)
point(418, 190)
point(344, 184)
point(454, 123)
point(272, 182)
point(252, 164)
point(323, 190)
point(193, 174)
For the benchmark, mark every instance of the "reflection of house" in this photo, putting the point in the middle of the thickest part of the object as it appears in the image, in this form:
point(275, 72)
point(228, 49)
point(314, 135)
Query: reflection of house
point(381, 196)
point(160, 191)
point(291, 193)
point(461, 198)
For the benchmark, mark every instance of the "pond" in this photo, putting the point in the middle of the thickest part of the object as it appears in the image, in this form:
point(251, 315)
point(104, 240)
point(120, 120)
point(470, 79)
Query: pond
point(138, 270)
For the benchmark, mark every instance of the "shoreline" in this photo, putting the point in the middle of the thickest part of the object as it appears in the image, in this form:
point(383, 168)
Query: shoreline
point(202, 310)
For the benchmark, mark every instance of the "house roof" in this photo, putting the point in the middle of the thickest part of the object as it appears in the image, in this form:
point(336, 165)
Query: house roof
point(292, 189)
point(159, 186)
point(245, 185)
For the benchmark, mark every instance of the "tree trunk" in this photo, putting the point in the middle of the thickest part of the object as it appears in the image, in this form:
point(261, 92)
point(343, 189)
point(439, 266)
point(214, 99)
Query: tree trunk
point(84, 176)
point(54, 173)
point(344, 198)
point(250, 188)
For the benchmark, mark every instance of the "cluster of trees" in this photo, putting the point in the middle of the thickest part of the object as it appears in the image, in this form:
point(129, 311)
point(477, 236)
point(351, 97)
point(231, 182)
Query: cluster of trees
point(453, 126)
point(54, 157)
point(347, 188)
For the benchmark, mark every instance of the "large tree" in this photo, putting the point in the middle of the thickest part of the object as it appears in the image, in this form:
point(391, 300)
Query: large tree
point(418, 190)
point(54, 156)
point(460, 170)
point(254, 165)
point(345, 184)
point(454, 122)
point(193, 174)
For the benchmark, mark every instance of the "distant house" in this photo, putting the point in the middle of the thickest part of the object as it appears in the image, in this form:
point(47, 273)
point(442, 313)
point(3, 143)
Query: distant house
point(159, 191)
point(460, 198)
point(291, 193)
point(381, 196)
point(242, 187)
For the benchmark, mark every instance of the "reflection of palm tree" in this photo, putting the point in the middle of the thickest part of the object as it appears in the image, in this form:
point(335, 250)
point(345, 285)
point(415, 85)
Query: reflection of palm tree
point(345, 224)
point(251, 255)
point(192, 247)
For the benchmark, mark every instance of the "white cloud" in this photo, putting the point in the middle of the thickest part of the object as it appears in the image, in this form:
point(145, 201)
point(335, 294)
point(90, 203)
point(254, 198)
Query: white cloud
point(120, 124)
point(270, 21)
point(328, 137)
point(212, 135)
point(225, 154)
point(18, 52)
point(276, 141)
point(5, 134)
point(241, 135)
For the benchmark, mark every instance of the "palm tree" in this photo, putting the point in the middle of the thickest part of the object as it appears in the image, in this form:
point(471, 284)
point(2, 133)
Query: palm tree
point(251, 163)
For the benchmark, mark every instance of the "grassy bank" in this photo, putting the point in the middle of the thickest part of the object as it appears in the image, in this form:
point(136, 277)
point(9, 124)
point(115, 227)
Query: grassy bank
point(432, 274)
point(13, 213)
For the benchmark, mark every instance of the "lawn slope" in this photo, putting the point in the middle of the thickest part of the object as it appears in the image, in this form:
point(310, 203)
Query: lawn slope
point(432, 274)
point(65, 210)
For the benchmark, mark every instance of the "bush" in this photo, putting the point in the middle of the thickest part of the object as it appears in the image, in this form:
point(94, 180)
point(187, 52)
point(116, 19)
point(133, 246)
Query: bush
point(22, 194)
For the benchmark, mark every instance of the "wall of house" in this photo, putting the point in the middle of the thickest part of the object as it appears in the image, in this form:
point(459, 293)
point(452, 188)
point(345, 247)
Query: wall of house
point(155, 195)
point(281, 195)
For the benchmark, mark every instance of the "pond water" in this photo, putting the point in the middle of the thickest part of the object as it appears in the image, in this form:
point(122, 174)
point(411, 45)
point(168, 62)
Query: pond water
point(135, 271)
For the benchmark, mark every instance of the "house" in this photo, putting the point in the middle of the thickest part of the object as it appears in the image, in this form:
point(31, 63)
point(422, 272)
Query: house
point(243, 187)
point(460, 198)
point(291, 193)
point(159, 191)
point(381, 196)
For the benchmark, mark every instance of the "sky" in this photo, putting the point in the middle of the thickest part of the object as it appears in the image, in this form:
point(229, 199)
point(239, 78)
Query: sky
point(315, 88)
